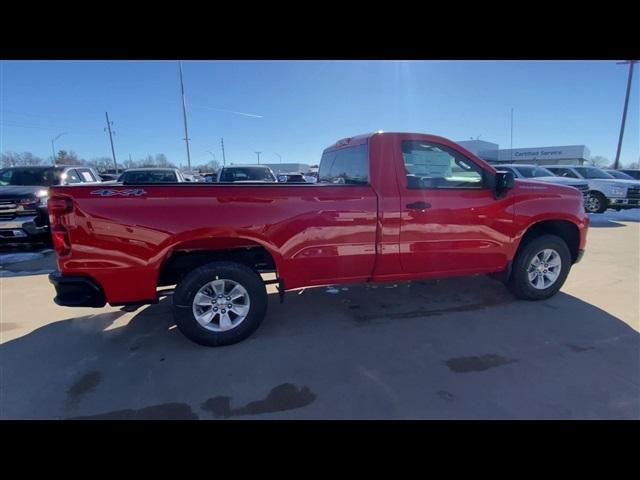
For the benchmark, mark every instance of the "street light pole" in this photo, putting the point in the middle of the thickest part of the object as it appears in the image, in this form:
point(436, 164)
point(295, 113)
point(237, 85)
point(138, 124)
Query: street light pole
point(512, 134)
point(258, 154)
point(53, 148)
point(279, 156)
point(184, 116)
point(616, 164)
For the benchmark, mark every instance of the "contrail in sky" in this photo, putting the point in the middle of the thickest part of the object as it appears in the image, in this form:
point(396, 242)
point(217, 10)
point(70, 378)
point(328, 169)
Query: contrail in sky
point(229, 111)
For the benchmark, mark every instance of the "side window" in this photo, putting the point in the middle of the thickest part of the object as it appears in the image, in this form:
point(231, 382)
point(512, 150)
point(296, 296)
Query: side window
point(72, 177)
point(86, 175)
point(345, 166)
point(564, 172)
point(431, 165)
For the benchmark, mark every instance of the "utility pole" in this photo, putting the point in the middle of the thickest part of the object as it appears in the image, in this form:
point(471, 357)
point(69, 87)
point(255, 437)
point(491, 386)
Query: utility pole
point(184, 115)
point(224, 161)
point(111, 140)
point(258, 154)
point(512, 134)
point(616, 165)
point(53, 148)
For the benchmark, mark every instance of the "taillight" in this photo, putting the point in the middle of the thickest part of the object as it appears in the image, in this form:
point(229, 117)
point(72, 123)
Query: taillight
point(60, 237)
point(59, 205)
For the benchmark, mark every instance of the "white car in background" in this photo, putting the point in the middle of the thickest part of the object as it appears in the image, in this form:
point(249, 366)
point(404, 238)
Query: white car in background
point(605, 191)
point(541, 174)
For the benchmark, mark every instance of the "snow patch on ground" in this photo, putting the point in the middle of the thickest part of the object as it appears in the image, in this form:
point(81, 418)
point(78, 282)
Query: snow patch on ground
point(632, 215)
point(8, 273)
point(7, 258)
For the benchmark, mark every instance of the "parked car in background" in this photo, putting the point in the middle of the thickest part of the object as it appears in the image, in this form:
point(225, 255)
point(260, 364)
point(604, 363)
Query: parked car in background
point(106, 177)
point(152, 175)
point(23, 198)
point(605, 191)
point(541, 174)
point(618, 174)
point(311, 178)
point(192, 177)
point(246, 173)
point(210, 177)
point(632, 172)
point(293, 177)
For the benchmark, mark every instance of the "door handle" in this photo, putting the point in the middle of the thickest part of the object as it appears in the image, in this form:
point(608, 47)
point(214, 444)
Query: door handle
point(418, 205)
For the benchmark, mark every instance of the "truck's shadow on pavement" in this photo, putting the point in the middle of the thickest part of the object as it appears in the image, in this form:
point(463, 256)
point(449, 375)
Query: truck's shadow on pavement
point(461, 348)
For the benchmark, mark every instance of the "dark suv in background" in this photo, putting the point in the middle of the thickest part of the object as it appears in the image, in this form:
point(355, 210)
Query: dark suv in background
point(23, 198)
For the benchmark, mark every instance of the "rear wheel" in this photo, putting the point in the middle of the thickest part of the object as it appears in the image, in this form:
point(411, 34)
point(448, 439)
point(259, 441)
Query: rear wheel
point(220, 303)
point(596, 203)
point(540, 268)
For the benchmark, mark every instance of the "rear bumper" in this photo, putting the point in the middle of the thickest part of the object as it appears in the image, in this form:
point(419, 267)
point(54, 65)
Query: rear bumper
point(73, 291)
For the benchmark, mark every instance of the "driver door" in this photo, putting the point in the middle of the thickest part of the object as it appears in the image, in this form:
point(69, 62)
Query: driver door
point(451, 222)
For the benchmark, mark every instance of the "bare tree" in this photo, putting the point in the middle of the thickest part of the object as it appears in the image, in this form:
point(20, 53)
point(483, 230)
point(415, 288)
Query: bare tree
point(14, 159)
point(599, 161)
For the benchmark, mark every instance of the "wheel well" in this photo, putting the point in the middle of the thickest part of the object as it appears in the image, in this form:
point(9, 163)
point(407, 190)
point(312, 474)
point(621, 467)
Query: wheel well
point(181, 262)
point(564, 229)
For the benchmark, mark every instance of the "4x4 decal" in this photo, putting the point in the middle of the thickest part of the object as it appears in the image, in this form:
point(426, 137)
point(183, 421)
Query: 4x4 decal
point(108, 192)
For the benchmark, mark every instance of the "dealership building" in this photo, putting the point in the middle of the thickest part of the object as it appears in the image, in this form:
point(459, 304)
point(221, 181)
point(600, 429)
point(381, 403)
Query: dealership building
point(560, 155)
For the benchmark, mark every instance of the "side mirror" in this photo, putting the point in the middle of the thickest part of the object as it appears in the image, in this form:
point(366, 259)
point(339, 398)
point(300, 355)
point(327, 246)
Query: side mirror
point(503, 182)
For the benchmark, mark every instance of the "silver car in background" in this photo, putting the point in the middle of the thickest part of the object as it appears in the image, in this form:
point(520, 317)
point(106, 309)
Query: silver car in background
point(536, 172)
point(605, 191)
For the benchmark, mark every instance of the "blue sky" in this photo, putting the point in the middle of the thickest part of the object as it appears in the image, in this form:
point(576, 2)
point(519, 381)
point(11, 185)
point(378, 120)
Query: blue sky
point(301, 107)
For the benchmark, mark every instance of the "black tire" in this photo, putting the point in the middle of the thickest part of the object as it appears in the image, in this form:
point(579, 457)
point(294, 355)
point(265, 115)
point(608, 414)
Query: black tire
point(597, 203)
point(518, 282)
point(196, 279)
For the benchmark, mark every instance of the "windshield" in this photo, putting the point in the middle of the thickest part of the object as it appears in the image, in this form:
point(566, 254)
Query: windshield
point(40, 177)
point(620, 175)
point(245, 174)
point(592, 172)
point(531, 172)
point(150, 176)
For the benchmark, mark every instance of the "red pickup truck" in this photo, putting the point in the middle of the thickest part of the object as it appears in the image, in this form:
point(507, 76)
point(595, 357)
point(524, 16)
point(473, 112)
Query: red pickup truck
point(387, 207)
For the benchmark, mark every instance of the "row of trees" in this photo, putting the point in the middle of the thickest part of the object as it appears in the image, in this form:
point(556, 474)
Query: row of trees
point(604, 162)
point(63, 157)
point(13, 159)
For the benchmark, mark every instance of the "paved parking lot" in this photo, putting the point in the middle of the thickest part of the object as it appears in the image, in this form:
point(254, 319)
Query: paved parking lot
point(459, 348)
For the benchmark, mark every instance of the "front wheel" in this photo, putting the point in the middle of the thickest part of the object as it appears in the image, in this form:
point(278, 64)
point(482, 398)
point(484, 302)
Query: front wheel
point(596, 203)
point(540, 268)
point(220, 303)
